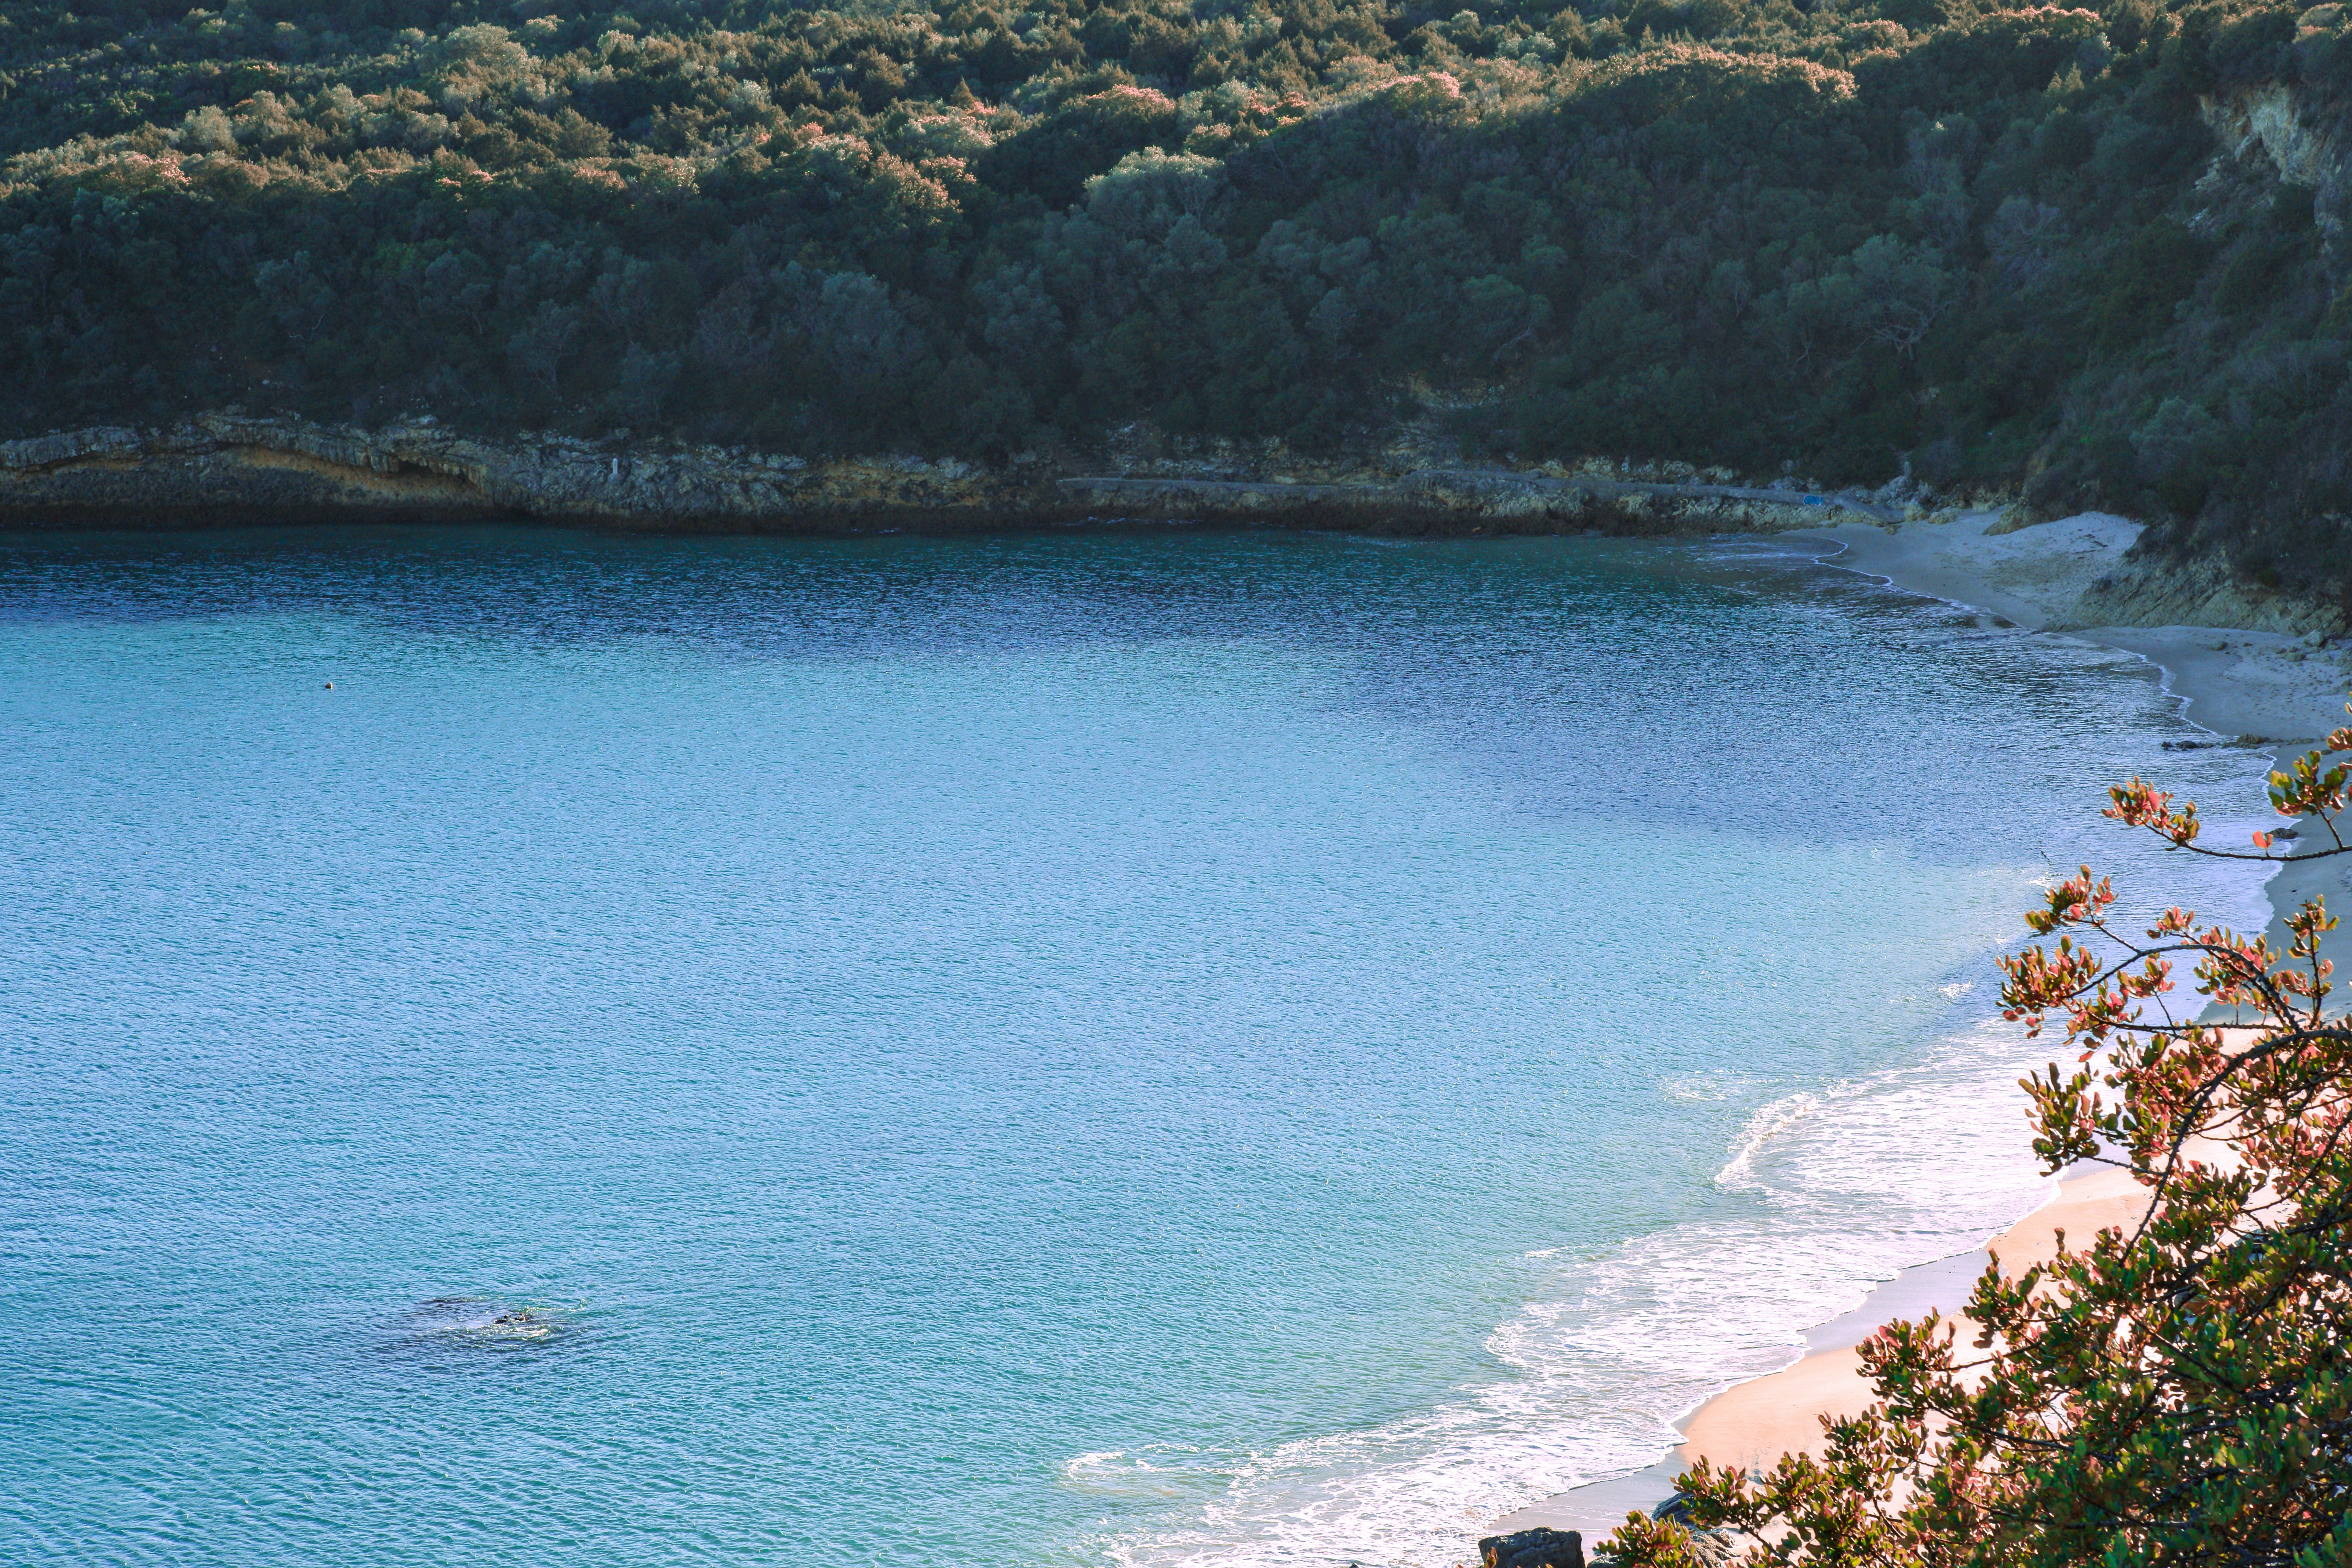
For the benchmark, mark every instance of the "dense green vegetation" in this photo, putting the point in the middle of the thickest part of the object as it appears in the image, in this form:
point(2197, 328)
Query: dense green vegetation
point(2173, 1390)
point(2001, 246)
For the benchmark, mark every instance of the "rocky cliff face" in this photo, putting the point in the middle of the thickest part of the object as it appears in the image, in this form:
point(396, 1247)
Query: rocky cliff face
point(2268, 123)
point(231, 468)
point(2198, 591)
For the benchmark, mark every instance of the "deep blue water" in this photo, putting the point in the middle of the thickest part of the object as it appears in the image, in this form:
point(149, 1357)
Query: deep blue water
point(1232, 1047)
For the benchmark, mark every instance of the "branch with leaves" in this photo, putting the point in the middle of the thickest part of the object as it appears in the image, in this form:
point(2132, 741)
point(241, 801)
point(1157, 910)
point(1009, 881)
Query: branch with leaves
point(2178, 1391)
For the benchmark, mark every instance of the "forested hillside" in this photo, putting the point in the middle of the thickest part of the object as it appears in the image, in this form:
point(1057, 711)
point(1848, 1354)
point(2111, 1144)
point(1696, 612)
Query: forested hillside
point(2095, 253)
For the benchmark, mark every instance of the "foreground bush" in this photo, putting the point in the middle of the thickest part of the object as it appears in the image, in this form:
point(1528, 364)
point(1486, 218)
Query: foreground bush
point(2178, 1392)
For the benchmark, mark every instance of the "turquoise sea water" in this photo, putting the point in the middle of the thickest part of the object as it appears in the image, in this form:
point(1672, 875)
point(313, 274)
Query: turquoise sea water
point(1141, 1048)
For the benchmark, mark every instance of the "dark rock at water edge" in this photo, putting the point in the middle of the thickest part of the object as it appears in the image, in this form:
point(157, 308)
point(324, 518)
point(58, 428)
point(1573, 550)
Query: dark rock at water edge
point(1544, 1547)
point(1539, 1548)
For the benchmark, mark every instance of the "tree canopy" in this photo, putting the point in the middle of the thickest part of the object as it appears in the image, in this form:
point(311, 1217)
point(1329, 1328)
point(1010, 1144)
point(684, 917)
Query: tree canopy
point(2094, 253)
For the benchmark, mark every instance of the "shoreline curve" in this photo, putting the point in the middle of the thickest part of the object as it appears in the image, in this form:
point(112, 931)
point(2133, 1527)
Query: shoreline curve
point(2263, 688)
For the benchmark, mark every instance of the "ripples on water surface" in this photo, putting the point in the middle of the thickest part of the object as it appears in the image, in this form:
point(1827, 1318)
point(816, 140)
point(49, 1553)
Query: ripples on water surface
point(1179, 1047)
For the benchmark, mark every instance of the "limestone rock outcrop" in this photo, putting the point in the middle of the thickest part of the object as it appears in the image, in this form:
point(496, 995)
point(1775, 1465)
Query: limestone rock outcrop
point(235, 468)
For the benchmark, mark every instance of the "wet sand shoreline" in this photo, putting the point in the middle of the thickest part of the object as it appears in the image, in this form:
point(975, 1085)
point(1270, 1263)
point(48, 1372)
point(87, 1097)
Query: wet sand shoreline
point(2246, 686)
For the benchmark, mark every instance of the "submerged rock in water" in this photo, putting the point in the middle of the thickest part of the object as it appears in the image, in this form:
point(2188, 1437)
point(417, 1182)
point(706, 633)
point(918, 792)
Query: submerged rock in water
point(1542, 1547)
point(479, 1319)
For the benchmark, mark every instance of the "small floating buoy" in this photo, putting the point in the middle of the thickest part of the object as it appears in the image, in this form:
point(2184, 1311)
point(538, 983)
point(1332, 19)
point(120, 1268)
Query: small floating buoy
point(330, 686)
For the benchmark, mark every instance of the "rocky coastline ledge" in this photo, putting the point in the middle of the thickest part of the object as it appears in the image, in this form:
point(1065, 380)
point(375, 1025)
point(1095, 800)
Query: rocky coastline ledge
point(230, 466)
point(238, 468)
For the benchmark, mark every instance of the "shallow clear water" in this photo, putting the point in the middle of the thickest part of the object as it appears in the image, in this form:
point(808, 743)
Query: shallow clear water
point(1174, 1048)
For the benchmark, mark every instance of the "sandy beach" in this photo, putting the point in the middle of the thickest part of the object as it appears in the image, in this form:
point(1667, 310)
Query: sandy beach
point(2253, 687)
point(1755, 1423)
point(2248, 686)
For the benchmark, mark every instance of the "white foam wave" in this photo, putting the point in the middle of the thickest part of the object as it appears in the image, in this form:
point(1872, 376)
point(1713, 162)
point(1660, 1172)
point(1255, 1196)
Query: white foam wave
point(1156, 1470)
point(1824, 1196)
point(1762, 1128)
point(1705, 1086)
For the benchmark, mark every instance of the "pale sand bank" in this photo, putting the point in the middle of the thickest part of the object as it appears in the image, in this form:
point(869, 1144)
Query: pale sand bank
point(2233, 682)
point(1757, 1421)
point(1754, 1423)
point(2033, 576)
point(2237, 683)
point(2261, 683)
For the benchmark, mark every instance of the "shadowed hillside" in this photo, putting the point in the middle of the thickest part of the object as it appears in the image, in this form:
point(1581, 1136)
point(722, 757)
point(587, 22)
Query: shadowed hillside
point(2097, 254)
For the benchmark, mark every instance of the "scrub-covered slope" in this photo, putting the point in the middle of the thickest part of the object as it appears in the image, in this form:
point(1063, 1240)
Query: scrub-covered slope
point(2097, 254)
